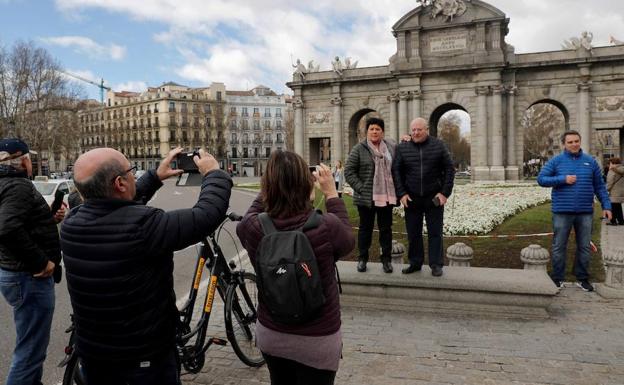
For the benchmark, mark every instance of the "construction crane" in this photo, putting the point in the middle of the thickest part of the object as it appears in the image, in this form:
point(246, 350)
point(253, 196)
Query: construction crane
point(100, 85)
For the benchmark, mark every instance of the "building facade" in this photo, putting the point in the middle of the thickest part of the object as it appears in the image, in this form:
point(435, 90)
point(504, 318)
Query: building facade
point(146, 126)
point(256, 125)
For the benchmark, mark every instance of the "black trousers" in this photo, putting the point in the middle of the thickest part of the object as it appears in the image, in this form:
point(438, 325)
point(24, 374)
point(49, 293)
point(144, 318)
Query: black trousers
point(434, 217)
point(365, 234)
point(288, 372)
point(616, 210)
point(162, 371)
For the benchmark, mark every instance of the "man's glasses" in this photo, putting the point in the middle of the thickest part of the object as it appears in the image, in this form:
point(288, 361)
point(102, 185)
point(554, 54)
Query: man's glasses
point(132, 170)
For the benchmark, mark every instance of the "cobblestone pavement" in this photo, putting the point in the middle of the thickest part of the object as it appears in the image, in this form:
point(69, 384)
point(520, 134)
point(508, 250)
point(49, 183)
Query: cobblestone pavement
point(580, 342)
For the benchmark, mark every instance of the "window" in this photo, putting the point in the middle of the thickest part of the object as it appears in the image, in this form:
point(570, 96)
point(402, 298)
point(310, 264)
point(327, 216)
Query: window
point(278, 124)
point(207, 109)
point(233, 136)
point(234, 152)
point(245, 152)
point(208, 122)
point(279, 138)
point(267, 152)
point(256, 125)
point(171, 106)
point(267, 124)
point(233, 124)
point(278, 112)
point(245, 113)
point(183, 107)
point(218, 95)
point(256, 152)
point(172, 135)
point(155, 107)
point(184, 136)
point(256, 111)
point(267, 112)
point(245, 124)
point(233, 110)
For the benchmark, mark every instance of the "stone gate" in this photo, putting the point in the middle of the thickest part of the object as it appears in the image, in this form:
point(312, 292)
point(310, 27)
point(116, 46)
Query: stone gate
point(452, 54)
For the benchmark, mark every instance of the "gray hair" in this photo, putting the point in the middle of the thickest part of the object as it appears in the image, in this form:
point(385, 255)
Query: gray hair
point(15, 162)
point(100, 184)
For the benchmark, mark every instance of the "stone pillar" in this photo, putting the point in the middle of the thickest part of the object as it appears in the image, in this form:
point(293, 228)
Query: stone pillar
point(613, 286)
point(392, 131)
point(479, 143)
point(416, 106)
point(584, 117)
point(298, 106)
point(397, 253)
point(497, 170)
point(535, 257)
point(403, 125)
point(621, 143)
point(512, 171)
point(336, 145)
point(459, 255)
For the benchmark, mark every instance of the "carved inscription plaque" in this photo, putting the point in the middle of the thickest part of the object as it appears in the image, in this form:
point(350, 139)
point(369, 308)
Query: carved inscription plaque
point(447, 43)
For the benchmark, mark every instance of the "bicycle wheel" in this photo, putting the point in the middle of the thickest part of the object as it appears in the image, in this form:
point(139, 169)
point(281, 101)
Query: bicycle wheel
point(241, 305)
point(73, 373)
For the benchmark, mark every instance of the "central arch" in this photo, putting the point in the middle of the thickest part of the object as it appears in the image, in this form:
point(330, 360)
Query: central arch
point(435, 116)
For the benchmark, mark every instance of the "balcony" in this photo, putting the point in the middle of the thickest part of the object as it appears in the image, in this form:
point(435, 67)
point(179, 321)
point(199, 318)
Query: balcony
point(234, 141)
point(268, 141)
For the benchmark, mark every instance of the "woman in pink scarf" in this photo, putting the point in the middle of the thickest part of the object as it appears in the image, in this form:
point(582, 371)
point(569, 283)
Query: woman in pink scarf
point(368, 172)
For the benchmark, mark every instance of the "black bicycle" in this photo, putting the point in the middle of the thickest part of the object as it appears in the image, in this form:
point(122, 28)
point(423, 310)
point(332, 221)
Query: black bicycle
point(237, 289)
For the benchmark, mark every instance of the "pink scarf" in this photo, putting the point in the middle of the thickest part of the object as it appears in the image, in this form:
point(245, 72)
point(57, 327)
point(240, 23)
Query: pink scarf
point(383, 186)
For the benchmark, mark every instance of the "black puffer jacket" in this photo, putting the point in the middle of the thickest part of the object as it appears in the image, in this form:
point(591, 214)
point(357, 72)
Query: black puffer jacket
point(119, 261)
point(423, 169)
point(28, 234)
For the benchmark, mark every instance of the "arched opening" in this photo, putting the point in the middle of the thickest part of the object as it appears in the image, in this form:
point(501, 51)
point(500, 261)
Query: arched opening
point(451, 123)
point(357, 125)
point(542, 124)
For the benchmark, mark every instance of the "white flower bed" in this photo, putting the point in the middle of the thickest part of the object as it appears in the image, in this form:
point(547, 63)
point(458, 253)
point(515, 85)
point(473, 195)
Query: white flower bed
point(477, 209)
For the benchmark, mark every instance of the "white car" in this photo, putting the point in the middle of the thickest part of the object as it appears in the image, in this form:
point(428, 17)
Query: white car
point(48, 187)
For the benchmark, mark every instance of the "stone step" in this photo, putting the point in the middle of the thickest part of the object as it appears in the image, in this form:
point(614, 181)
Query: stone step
point(511, 292)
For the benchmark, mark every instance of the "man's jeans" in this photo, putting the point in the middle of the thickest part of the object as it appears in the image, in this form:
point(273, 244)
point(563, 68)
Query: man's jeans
point(562, 225)
point(32, 300)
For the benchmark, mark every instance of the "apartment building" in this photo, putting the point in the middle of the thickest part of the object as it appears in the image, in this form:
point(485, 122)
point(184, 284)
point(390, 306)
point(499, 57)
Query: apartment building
point(256, 125)
point(145, 126)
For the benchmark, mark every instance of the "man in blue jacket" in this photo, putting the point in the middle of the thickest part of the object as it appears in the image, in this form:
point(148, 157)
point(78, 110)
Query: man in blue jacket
point(575, 178)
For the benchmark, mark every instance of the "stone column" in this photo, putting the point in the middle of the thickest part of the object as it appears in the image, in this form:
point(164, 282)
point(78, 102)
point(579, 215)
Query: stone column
point(416, 105)
point(584, 118)
point(298, 106)
point(459, 255)
point(403, 125)
point(535, 257)
point(479, 143)
point(497, 170)
point(392, 130)
point(512, 171)
point(336, 145)
point(613, 286)
point(621, 143)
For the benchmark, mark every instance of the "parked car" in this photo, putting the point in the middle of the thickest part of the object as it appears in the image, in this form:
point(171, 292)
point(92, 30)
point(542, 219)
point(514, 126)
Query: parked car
point(47, 188)
point(463, 173)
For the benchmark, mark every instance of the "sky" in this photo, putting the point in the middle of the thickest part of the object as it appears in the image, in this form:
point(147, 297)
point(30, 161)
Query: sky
point(133, 44)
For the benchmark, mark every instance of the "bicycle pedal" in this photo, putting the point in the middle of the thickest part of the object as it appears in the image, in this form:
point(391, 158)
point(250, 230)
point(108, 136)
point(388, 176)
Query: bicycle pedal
point(218, 341)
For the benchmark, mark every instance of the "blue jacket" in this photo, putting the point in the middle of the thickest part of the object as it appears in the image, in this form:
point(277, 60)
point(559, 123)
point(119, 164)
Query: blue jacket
point(578, 197)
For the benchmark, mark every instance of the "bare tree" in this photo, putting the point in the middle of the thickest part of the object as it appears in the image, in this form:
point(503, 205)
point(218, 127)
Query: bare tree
point(449, 132)
point(36, 102)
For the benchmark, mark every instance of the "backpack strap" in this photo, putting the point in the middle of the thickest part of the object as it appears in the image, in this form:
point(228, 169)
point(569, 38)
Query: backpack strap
point(266, 223)
point(314, 220)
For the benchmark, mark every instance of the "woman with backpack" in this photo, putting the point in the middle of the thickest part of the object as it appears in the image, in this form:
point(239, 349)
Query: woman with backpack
point(306, 349)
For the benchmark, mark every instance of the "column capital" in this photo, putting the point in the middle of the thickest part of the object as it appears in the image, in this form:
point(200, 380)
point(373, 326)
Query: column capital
point(498, 89)
point(511, 89)
point(393, 97)
point(405, 95)
point(482, 91)
point(584, 86)
point(336, 101)
point(297, 103)
point(416, 93)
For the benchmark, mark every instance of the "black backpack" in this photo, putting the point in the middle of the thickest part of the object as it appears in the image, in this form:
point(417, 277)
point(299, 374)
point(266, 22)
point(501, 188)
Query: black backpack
point(288, 276)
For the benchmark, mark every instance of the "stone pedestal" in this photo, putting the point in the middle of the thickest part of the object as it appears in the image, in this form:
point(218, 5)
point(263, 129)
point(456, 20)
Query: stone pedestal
point(535, 257)
point(481, 173)
point(459, 255)
point(497, 173)
point(613, 286)
point(512, 173)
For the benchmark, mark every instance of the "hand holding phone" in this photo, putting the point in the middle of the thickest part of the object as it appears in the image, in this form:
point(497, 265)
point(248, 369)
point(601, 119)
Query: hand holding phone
point(436, 201)
point(58, 201)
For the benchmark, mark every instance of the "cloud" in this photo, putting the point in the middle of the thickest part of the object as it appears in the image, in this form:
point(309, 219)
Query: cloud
point(88, 46)
point(132, 85)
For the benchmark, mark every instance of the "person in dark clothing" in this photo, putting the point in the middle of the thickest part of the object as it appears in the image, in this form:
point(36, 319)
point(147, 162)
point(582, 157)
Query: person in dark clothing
point(29, 261)
point(119, 259)
point(307, 353)
point(423, 175)
point(369, 172)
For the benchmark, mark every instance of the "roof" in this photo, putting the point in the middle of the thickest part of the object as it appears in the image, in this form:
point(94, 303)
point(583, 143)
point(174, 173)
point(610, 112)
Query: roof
point(239, 93)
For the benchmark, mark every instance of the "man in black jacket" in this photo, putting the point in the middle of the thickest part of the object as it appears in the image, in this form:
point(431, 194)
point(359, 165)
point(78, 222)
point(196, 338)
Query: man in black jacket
point(423, 175)
point(29, 256)
point(119, 259)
